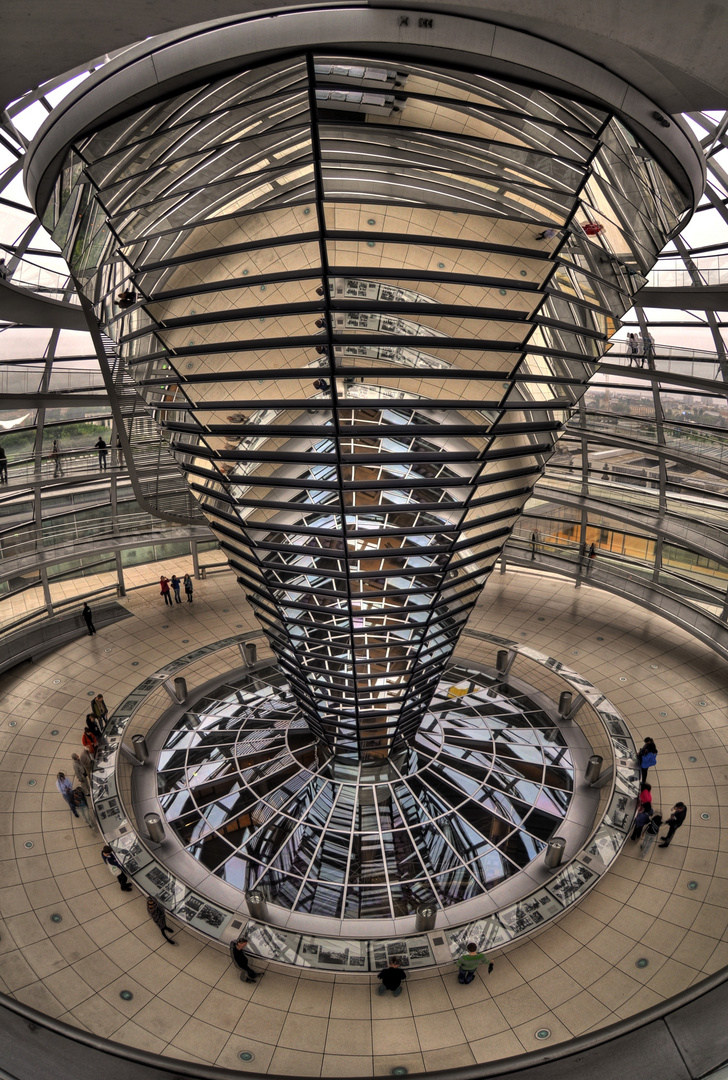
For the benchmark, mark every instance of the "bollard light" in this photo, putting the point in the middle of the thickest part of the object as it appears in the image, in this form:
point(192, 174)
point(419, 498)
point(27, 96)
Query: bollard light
point(257, 906)
point(155, 828)
point(593, 769)
point(425, 918)
point(565, 704)
point(140, 749)
point(554, 852)
point(180, 689)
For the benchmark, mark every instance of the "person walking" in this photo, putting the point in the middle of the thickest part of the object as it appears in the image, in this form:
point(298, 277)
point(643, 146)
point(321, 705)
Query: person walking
point(164, 590)
point(677, 816)
point(65, 787)
point(81, 803)
point(3, 467)
point(237, 953)
point(57, 459)
point(100, 712)
point(81, 774)
point(89, 619)
point(470, 961)
point(392, 977)
point(115, 868)
point(87, 761)
point(647, 757)
point(156, 914)
point(187, 582)
point(102, 449)
point(176, 585)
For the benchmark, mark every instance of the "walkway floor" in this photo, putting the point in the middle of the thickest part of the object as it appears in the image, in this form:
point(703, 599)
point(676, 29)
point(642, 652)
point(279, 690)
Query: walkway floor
point(188, 1003)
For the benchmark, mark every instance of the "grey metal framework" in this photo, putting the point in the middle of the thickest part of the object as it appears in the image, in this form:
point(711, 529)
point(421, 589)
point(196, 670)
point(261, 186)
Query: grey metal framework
point(362, 296)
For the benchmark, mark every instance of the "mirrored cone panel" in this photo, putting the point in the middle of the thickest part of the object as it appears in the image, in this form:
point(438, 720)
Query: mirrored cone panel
point(362, 298)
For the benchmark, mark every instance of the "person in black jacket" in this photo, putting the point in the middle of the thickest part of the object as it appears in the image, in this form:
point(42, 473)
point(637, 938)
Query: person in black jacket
point(237, 952)
point(677, 815)
point(88, 618)
point(392, 978)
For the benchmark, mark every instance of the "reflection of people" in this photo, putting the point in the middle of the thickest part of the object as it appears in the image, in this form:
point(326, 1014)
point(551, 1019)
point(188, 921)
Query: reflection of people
point(547, 234)
point(118, 453)
point(237, 952)
point(3, 467)
point(534, 539)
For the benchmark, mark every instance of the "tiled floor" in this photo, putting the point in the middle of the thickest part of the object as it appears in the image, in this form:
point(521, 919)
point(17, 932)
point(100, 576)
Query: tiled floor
point(575, 977)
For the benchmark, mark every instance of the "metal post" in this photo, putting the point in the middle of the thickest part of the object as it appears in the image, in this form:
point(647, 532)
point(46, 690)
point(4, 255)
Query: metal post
point(140, 749)
point(195, 559)
point(425, 917)
point(250, 653)
point(180, 689)
point(155, 828)
point(257, 906)
point(593, 769)
point(554, 852)
point(501, 661)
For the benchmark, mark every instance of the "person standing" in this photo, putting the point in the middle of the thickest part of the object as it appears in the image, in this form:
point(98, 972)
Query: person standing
point(87, 761)
point(642, 819)
point(115, 868)
point(102, 449)
point(677, 816)
point(651, 829)
point(100, 712)
point(176, 584)
point(645, 798)
point(88, 617)
point(56, 459)
point(469, 962)
point(156, 914)
point(81, 774)
point(164, 590)
point(187, 581)
point(3, 467)
point(392, 977)
point(89, 739)
point(65, 787)
point(81, 803)
point(237, 952)
point(647, 757)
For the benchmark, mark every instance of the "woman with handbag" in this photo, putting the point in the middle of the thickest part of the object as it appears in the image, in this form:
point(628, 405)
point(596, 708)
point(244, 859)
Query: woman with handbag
point(115, 868)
